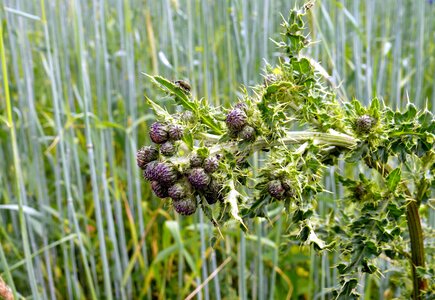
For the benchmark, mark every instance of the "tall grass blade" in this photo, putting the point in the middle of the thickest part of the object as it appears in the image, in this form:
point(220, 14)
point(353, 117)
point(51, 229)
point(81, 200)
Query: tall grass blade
point(20, 192)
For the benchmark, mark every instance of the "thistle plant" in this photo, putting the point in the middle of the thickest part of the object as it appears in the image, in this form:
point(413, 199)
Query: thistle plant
point(201, 158)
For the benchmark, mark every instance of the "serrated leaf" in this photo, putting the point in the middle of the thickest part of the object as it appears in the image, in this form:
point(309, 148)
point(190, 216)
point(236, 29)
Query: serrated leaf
point(303, 66)
point(348, 290)
point(172, 88)
point(375, 108)
point(313, 238)
point(182, 99)
point(410, 113)
point(159, 111)
point(188, 139)
point(232, 200)
point(203, 152)
point(298, 215)
point(359, 109)
point(393, 179)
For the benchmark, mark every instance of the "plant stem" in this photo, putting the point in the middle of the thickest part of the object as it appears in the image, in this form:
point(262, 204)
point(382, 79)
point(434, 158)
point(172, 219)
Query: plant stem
point(20, 187)
point(293, 137)
point(417, 248)
point(415, 233)
point(342, 140)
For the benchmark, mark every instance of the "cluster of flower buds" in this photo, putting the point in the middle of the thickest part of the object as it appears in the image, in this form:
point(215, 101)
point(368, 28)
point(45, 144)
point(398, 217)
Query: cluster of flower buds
point(201, 177)
point(280, 189)
point(168, 180)
point(162, 174)
point(238, 125)
point(166, 136)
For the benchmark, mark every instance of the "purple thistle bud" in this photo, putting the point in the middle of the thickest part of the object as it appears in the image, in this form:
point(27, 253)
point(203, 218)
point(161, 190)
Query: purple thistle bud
point(185, 207)
point(160, 190)
point(270, 79)
point(247, 134)
point(175, 132)
point(145, 155)
point(213, 192)
point(236, 119)
point(211, 164)
point(242, 106)
point(276, 189)
point(177, 191)
point(150, 171)
point(196, 161)
point(199, 178)
point(287, 185)
point(168, 148)
point(165, 173)
point(364, 124)
point(158, 133)
point(187, 116)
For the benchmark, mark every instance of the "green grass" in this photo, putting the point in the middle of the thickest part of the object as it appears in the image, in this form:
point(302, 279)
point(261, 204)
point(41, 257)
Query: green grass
point(78, 221)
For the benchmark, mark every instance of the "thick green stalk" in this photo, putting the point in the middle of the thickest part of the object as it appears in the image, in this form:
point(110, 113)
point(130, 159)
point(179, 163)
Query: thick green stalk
point(342, 140)
point(417, 248)
point(415, 234)
point(293, 137)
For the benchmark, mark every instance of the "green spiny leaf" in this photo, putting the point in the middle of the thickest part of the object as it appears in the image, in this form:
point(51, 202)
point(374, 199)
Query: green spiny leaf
point(393, 179)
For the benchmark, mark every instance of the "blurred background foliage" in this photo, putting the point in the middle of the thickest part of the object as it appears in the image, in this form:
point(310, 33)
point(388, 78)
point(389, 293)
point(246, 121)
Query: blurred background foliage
point(77, 221)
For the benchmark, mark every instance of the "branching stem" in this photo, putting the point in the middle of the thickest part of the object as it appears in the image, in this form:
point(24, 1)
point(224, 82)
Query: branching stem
point(415, 233)
point(348, 142)
point(292, 137)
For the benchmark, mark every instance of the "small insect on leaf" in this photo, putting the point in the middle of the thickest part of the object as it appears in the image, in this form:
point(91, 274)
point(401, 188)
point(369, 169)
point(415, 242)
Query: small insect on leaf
point(183, 85)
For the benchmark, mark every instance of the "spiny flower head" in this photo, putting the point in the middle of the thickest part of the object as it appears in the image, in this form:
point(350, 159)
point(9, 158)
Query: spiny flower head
point(276, 189)
point(158, 133)
point(160, 190)
point(211, 164)
point(165, 173)
point(247, 134)
point(242, 106)
point(236, 119)
point(145, 155)
point(168, 148)
point(288, 187)
point(196, 161)
point(150, 171)
point(187, 116)
point(175, 132)
point(270, 79)
point(364, 124)
point(177, 192)
point(185, 207)
point(199, 179)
